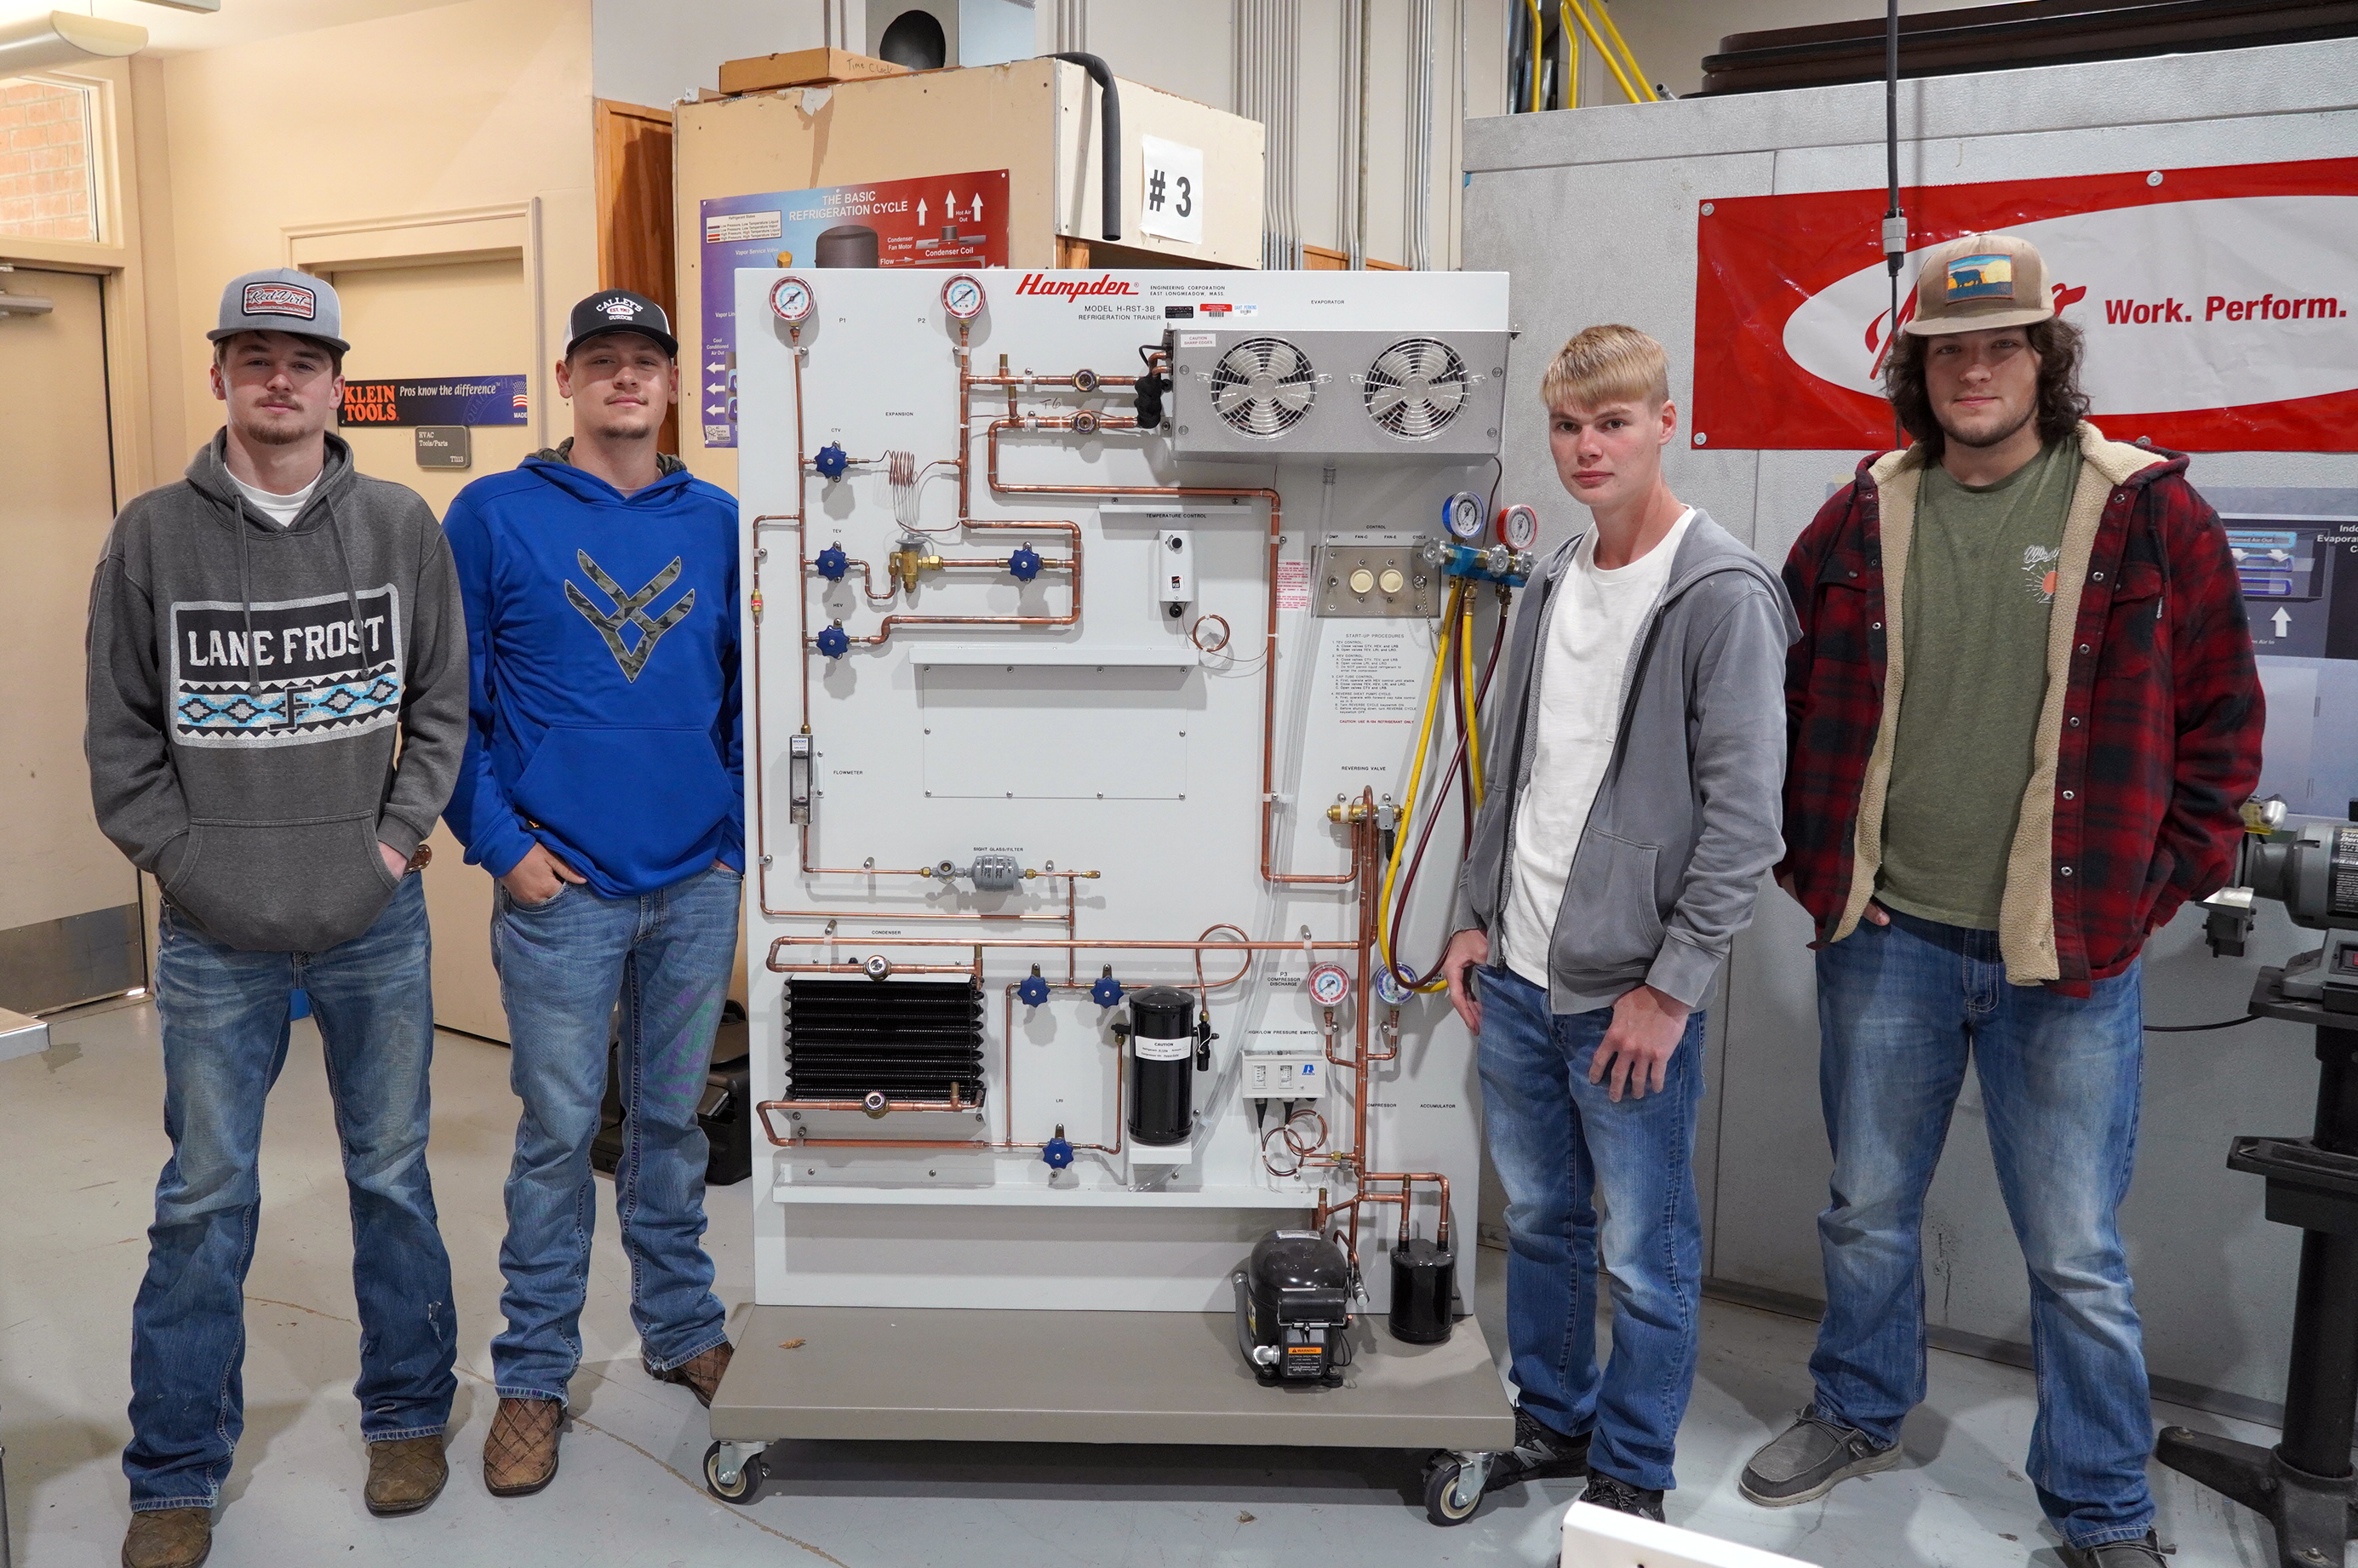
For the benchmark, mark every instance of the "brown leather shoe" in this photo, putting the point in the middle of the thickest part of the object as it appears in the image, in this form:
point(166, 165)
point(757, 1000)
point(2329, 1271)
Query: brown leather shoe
point(520, 1452)
point(405, 1475)
point(700, 1374)
point(169, 1537)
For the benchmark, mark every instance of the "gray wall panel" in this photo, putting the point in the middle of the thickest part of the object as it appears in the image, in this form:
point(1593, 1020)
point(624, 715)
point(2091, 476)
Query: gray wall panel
point(1592, 213)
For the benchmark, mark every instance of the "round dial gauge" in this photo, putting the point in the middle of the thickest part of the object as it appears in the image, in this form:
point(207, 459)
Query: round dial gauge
point(1329, 984)
point(1391, 987)
point(962, 296)
point(1462, 515)
point(1518, 528)
point(791, 297)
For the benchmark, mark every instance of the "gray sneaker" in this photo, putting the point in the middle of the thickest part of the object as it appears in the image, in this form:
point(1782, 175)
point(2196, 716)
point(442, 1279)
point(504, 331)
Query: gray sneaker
point(2141, 1553)
point(1810, 1460)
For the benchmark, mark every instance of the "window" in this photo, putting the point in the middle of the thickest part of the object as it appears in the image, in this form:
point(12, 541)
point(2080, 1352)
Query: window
point(49, 160)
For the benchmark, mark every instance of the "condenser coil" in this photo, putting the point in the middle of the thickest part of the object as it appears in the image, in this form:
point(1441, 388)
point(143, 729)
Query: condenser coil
point(908, 1041)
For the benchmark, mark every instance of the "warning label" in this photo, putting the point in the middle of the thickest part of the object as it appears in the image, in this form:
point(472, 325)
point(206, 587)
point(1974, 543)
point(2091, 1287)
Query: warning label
point(1293, 585)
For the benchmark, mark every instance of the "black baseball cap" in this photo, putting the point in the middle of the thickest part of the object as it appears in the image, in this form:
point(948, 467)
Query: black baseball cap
point(619, 310)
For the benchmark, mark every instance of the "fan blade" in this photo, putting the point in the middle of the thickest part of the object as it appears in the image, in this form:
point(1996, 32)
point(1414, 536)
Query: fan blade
point(1293, 394)
point(1283, 360)
point(1382, 401)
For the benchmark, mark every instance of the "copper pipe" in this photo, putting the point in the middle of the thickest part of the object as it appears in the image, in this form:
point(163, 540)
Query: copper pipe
point(1069, 619)
point(1004, 379)
point(769, 1129)
point(967, 1143)
point(1048, 943)
point(857, 969)
point(1007, 1087)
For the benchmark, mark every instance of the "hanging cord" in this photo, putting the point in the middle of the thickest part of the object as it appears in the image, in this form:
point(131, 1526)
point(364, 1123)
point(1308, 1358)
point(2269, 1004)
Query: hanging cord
point(1895, 221)
point(2199, 1028)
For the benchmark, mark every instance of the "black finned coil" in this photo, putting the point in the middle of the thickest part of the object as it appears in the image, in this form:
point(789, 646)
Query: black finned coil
point(906, 1040)
point(1108, 136)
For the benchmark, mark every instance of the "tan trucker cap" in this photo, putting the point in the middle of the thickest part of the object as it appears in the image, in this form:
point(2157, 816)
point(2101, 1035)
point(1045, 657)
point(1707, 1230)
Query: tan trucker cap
point(1981, 281)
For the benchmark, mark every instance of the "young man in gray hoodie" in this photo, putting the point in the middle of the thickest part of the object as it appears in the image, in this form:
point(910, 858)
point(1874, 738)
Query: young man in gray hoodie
point(277, 708)
point(1639, 749)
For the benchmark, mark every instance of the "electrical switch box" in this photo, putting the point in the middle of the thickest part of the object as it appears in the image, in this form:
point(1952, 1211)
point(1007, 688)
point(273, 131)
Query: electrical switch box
point(1375, 575)
point(1284, 1074)
point(1175, 572)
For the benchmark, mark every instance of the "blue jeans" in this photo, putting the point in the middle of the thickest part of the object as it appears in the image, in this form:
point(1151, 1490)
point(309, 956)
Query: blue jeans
point(224, 1025)
point(1559, 1143)
point(1900, 1008)
point(667, 957)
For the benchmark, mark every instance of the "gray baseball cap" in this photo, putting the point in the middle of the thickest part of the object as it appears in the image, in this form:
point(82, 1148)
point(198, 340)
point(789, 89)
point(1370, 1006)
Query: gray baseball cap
point(280, 300)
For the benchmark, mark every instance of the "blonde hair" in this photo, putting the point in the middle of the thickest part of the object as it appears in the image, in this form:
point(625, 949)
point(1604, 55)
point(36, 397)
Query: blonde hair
point(1603, 363)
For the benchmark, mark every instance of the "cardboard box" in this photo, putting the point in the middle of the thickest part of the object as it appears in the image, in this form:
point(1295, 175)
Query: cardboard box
point(802, 68)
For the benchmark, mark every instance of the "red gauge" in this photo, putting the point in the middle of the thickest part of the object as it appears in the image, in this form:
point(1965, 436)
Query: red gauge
point(962, 296)
point(1518, 528)
point(792, 301)
point(1329, 984)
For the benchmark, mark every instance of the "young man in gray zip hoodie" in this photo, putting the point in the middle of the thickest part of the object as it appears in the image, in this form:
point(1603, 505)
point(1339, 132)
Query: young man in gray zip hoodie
point(263, 634)
point(1641, 751)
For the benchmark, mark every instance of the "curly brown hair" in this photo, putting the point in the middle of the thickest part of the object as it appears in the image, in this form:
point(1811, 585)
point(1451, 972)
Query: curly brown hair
point(2061, 404)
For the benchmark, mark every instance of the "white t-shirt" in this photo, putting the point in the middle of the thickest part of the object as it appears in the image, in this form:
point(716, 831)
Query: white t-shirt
point(280, 509)
point(1597, 614)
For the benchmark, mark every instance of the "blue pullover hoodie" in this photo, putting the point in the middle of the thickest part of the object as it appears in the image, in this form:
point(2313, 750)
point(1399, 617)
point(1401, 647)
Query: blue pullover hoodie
point(603, 698)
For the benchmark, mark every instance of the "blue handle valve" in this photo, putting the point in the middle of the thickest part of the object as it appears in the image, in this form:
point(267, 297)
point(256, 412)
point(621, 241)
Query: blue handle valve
point(833, 563)
point(831, 460)
point(1106, 993)
point(832, 641)
point(1032, 990)
point(1024, 564)
point(1057, 1153)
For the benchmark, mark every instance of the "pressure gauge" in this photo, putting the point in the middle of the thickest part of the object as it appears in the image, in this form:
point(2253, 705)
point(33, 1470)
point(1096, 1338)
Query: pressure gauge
point(1391, 987)
point(962, 296)
point(791, 297)
point(1329, 984)
point(1461, 515)
point(1518, 528)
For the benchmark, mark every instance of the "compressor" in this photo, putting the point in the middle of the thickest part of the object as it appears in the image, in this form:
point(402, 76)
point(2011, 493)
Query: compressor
point(1294, 1309)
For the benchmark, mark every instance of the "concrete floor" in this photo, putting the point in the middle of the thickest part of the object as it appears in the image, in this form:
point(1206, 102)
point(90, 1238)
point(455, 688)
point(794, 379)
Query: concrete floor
point(82, 1142)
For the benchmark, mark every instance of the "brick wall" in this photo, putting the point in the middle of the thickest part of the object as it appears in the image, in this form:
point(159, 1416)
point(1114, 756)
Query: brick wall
point(45, 183)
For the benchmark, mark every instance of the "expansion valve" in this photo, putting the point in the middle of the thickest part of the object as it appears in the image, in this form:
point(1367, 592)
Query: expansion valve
point(831, 460)
point(1032, 990)
point(1024, 564)
point(1106, 993)
point(832, 562)
point(833, 642)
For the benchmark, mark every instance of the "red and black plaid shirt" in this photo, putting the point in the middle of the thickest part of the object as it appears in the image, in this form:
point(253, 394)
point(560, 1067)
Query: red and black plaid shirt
point(2161, 732)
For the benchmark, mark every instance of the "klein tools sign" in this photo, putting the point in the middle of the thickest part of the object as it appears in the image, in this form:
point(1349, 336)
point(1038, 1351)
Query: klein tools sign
point(2217, 304)
point(457, 400)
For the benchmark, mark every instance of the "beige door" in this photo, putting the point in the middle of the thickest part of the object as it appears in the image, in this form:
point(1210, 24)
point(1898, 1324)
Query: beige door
point(443, 321)
point(69, 904)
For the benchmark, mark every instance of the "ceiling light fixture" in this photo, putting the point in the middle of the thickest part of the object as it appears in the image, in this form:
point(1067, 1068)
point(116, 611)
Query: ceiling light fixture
point(49, 39)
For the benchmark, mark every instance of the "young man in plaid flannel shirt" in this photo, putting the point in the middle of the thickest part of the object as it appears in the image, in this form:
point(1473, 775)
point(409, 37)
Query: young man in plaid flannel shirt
point(1985, 857)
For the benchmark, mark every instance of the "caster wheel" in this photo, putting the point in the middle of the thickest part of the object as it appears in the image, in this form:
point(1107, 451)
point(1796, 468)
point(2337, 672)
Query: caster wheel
point(749, 1479)
point(1442, 1503)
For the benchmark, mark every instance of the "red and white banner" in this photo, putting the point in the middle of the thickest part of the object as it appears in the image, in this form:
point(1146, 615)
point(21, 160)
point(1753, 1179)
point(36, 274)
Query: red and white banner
point(2217, 304)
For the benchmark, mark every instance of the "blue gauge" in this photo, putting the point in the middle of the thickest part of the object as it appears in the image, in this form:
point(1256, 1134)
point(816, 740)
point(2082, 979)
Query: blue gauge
point(1391, 987)
point(1461, 515)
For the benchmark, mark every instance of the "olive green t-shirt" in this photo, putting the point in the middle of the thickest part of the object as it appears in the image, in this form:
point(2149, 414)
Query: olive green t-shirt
point(1981, 577)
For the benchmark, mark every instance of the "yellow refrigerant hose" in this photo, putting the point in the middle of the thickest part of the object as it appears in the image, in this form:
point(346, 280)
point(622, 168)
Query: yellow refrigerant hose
point(1416, 772)
point(1473, 707)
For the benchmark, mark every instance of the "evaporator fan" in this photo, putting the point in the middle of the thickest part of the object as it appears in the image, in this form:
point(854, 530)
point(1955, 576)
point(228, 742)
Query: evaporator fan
point(1415, 387)
point(1263, 386)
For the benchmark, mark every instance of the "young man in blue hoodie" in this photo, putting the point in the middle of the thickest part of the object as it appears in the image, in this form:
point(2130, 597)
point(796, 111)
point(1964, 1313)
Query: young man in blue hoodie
point(602, 785)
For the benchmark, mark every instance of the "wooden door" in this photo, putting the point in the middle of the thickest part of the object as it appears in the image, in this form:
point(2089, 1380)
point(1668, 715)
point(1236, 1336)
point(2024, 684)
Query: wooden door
point(70, 921)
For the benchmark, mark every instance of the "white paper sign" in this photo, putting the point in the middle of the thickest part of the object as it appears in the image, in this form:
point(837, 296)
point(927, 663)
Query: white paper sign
point(1171, 190)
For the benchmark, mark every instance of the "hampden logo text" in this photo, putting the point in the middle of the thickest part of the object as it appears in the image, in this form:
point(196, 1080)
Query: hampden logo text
point(1072, 288)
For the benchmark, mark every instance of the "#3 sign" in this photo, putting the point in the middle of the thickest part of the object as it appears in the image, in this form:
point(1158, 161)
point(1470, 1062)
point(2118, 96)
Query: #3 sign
point(1171, 190)
point(2215, 304)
